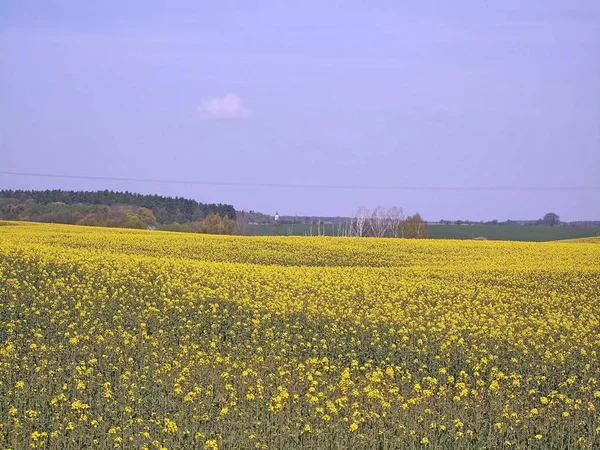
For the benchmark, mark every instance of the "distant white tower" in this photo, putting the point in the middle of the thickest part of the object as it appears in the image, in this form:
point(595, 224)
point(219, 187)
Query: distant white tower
point(276, 216)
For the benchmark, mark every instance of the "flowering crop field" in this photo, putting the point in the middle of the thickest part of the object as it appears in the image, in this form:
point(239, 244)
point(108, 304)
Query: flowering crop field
point(127, 339)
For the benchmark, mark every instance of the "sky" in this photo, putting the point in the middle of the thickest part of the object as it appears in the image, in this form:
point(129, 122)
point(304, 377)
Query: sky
point(462, 94)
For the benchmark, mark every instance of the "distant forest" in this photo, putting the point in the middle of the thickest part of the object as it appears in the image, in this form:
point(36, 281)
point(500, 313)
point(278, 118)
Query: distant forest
point(110, 208)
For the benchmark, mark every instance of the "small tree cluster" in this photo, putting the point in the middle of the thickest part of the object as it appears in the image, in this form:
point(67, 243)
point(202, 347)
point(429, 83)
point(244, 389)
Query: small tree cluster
point(165, 209)
point(551, 219)
point(215, 224)
point(415, 227)
point(242, 222)
point(382, 222)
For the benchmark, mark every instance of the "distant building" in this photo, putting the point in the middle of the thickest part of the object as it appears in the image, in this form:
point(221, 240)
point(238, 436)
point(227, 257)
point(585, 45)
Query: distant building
point(277, 217)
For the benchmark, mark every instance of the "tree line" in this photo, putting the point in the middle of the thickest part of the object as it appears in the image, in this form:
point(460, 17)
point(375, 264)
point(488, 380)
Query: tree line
point(550, 219)
point(382, 222)
point(132, 210)
point(166, 209)
point(119, 209)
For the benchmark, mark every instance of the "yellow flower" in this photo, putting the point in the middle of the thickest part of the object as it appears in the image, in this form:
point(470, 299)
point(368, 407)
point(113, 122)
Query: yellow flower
point(119, 329)
point(78, 405)
point(107, 393)
point(170, 427)
point(211, 445)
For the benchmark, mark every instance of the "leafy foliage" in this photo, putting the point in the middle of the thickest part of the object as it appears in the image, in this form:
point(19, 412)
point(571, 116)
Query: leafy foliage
point(551, 219)
point(415, 227)
point(166, 209)
point(117, 209)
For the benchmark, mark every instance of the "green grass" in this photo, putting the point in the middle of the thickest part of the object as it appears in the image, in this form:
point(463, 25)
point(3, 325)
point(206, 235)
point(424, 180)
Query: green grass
point(296, 229)
point(492, 232)
point(509, 232)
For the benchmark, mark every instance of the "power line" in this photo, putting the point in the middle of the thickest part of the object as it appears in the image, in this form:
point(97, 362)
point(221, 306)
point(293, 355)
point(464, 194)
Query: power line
point(309, 186)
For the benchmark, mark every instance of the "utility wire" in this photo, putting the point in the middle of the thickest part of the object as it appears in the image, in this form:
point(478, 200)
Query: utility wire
point(309, 186)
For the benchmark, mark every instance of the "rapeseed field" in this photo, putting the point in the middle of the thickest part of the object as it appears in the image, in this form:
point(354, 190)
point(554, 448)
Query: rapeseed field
point(128, 339)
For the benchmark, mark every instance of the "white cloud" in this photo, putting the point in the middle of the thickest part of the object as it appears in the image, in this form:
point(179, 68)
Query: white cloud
point(229, 106)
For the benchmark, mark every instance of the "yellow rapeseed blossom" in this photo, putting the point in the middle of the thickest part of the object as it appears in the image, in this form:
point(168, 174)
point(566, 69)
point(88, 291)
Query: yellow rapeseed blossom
point(113, 338)
point(211, 445)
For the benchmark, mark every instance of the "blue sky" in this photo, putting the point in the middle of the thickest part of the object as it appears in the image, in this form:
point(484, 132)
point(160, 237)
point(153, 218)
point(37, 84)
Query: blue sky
point(464, 93)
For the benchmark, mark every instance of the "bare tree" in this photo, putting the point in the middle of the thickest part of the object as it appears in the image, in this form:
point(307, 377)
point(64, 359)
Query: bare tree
point(348, 228)
point(360, 221)
point(345, 229)
point(378, 222)
point(242, 222)
point(396, 217)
